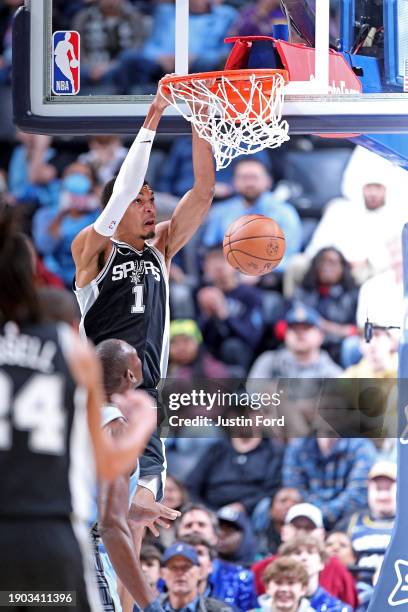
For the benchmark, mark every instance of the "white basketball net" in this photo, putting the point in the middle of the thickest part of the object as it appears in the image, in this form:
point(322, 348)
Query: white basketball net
point(232, 129)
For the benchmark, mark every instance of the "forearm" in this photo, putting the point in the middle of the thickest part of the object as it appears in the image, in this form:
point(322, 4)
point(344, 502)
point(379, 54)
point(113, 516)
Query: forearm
point(128, 183)
point(131, 175)
point(119, 546)
point(194, 206)
point(153, 117)
point(203, 166)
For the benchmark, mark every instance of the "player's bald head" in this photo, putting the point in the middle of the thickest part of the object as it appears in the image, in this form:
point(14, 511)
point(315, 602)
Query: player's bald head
point(120, 364)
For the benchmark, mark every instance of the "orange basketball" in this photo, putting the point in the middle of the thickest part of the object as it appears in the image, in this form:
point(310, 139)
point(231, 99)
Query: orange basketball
point(254, 244)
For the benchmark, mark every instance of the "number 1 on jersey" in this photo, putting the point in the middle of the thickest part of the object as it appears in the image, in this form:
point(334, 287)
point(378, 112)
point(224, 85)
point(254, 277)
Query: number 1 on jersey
point(138, 307)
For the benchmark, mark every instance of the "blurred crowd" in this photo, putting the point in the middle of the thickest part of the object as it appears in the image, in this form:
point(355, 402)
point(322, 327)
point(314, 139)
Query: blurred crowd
point(313, 515)
point(123, 49)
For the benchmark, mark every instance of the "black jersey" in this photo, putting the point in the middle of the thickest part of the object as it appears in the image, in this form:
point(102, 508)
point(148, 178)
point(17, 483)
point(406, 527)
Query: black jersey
point(129, 300)
point(46, 461)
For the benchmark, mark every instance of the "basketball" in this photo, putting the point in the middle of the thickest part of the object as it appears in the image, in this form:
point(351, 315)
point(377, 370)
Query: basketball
point(254, 244)
point(74, 63)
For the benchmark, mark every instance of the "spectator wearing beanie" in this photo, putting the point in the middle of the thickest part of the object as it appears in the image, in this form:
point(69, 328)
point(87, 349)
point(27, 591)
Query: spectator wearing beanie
point(188, 356)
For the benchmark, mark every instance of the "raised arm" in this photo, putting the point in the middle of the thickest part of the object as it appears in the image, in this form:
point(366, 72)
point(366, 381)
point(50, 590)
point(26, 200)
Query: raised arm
point(194, 205)
point(94, 239)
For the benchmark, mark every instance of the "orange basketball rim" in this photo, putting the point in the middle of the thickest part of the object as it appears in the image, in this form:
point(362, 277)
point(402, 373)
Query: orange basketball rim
point(237, 111)
point(234, 89)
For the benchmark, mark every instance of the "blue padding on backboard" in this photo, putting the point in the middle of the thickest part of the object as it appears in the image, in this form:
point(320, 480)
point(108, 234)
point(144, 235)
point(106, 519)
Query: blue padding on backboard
point(369, 71)
point(347, 25)
point(395, 40)
point(391, 591)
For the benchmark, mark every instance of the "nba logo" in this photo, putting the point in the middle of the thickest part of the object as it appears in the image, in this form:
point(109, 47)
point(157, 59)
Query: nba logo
point(65, 63)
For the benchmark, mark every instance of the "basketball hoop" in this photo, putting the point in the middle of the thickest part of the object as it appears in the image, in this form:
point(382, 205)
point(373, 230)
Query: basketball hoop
point(238, 112)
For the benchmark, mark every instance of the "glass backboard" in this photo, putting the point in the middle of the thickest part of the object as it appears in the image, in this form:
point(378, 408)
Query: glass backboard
point(115, 69)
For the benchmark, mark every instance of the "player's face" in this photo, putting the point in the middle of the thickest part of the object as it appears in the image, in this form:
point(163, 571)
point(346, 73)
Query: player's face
point(382, 497)
point(251, 180)
point(283, 500)
point(374, 195)
point(339, 545)
point(181, 576)
point(140, 217)
point(285, 593)
point(197, 521)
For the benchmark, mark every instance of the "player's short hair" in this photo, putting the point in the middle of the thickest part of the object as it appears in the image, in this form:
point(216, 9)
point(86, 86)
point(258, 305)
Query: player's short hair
point(18, 296)
point(114, 356)
point(299, 543)
point(195, 539)
point(108, 189)
point(285, 567)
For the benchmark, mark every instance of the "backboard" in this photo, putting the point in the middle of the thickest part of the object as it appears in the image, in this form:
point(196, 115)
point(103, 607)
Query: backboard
point(370, 38)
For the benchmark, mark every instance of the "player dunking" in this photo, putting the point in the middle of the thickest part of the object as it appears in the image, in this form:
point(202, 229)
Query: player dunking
point(46, 462)
point(122, 265)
